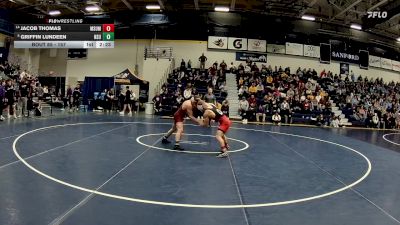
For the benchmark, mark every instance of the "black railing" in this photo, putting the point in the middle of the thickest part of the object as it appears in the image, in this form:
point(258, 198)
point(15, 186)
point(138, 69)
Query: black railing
point(158, 53)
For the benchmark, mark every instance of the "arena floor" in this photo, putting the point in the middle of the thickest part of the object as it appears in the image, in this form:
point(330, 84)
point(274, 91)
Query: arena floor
point(107, 169)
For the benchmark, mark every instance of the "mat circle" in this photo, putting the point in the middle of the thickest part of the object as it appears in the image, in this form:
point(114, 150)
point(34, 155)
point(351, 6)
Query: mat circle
point(231, 206)
point(392, 142)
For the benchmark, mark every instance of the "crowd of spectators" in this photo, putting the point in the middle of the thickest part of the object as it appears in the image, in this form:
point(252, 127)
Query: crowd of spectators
point(22, 95)
point(305, 93)
point(369, 102)
point(277, 93)
point(9, 69)
point(210, 83)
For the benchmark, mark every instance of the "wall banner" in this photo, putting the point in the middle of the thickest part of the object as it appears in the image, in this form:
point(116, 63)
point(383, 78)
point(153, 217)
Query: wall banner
point(311, 51)
point(215, 42)
point(237, 43)
point(254, 57)
point(255, 45)
point(294, 49)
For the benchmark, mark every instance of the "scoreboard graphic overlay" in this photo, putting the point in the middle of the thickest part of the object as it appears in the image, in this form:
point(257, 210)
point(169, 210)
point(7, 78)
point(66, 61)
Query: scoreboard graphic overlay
point(65, 33)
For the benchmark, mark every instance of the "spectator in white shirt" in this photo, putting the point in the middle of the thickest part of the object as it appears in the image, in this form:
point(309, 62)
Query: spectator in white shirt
point(276, 119)
point(243, 107)
point(375, 121)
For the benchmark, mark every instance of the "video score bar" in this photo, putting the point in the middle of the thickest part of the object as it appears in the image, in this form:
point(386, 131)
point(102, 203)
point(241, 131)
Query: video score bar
point(65, 33)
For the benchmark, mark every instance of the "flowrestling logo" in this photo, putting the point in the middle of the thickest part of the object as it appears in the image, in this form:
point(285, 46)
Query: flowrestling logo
point(377, 14)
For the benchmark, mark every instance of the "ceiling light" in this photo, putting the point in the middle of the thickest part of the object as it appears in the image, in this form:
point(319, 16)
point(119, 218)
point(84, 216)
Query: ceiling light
point(398, 39)
point(356, 26)
point(221, 9)
point(12, 1)
point(54, 12)
point(92, 8)
point(305, 17)
point(153, 7)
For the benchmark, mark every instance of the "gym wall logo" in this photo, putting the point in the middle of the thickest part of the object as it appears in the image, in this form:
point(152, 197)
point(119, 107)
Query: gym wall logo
point(219, 43)
point(237, 43)
point(216, 42)
point(257, 45)
point(377, 14)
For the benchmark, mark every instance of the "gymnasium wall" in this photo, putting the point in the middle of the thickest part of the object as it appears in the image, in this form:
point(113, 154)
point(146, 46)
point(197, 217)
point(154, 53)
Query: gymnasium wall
point(53, 60)
point(108, 62)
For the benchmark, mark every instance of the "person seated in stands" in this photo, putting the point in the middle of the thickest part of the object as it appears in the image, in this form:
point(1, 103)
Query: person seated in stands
point(225, 107)
point(224, 92)
point(242, 91)
point(285, 110)
point(187, 93)
point(306, 107)
point(335, 122)
point(390, 121)
point(247, 69)
point(269, 81)
point(214, 80)
point(321, 120)
point(223, 65)
point(260, 89)
point(251, 112)
point(260, 113)
point(254, 68)
point(210, 97)
point(243, 107)
point(290, 93)
point(252, 99)
point(276, 119)
point(157, 104)
point(253, 89)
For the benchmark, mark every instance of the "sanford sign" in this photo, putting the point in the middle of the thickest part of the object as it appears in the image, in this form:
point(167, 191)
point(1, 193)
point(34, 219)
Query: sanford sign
point(345, 57)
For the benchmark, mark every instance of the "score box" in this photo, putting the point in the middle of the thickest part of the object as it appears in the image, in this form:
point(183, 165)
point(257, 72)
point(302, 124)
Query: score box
point(108, 36)
point(108, 27)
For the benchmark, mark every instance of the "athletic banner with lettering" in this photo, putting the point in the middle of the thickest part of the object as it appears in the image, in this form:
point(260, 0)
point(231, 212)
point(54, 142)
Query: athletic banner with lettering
point(254, 57)
point(217, 42)
point(375, 61)
point(255, 45)
point(311, 51)
point(396, 65)
point(237, 43)
point(280, 49)
point(386, 63)
point(345, 56)
point(294, 49)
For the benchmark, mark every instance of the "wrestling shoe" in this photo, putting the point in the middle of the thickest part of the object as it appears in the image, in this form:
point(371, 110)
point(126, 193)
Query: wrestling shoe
point(165, 141)
point(222, 155)
point(178, 147)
